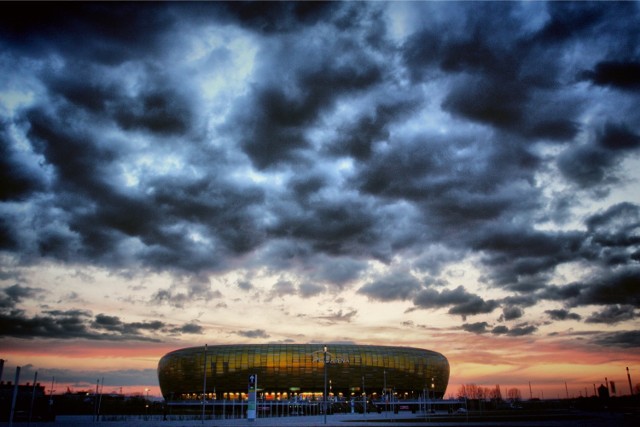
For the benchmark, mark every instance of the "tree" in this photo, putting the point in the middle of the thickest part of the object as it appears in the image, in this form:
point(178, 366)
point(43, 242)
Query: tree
point(495, 394)
point(470, 391)
point(513, 394)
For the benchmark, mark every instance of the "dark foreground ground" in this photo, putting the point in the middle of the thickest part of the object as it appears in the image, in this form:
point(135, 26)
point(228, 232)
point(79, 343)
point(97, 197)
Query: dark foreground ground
point(541, 418)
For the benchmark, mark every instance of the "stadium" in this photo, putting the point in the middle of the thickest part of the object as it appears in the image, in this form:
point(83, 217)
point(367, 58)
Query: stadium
point(288, 372)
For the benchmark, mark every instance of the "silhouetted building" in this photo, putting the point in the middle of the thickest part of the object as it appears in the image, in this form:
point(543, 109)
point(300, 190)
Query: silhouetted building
point(603, 392)
point(29, 400)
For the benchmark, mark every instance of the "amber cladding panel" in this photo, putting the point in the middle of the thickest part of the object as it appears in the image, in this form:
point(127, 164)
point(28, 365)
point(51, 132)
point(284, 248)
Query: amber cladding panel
point(299, 368)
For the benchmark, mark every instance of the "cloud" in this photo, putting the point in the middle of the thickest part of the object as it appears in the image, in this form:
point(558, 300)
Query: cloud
point(596, 162)
point(277, 17)
point(623, 339)
point(618, 74)
point(499, 330)
point(476, 328)
point(308, 290)
point(113, 324)
point(397, 286)
point(255, 333)
point(345, 151)
point(245, 285)
point(187, 328)
point(81, 324)
point(612, 314)
point(522, 330)
point(617, 287)
point(186, 292)
point(462, 302)
point(282, 289)
point(339, 316)
point(18, 180)
point(511, 313)
point(62, 325)
point(517, 331)
point(562, 315)
point(17, 293)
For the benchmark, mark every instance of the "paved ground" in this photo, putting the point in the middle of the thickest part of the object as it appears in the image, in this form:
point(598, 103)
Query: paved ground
point(569, 419)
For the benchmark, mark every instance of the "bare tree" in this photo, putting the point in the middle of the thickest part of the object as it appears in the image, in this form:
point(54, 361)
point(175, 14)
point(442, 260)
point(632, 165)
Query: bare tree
point(513, 394)
point(495, 394)
point(470, 391)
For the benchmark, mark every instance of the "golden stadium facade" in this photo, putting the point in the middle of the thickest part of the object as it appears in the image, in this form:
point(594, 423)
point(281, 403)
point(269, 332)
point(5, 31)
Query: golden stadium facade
point(286, 371)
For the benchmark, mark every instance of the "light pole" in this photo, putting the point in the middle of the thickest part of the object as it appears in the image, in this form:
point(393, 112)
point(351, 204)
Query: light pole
point(146, 404)
point(433, 392)
point(204, 385)
point(325, 383)
point(384, 394)
point(364, 400)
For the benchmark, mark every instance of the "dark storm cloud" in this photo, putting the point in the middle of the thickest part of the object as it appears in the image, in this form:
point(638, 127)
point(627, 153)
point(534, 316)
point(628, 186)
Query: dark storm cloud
point(619, 287)
point(275, 17)
point(562, 314)
point(61, 326)
point(516, 331)
point(74, 323)
point(394, 287)
point(619, 74)
point(529, 252)
point(281, 289)
point(623, 339)
point(612, 314)
point(17, 178)
point(340, 271)
point(358, 139)
point(71, 324)
point(521, 330)
point(277, 117)
point(500, 84)
point(499, 330)
point(84, 165)
point(616, 226)
point(188, 328)
point(476, 328)
point(460, 301)
point(352, 141)
point(594, 163)
point(37, 30)
point(114, 324)
point(17, 293)
point(511, 313)
point(307, 290)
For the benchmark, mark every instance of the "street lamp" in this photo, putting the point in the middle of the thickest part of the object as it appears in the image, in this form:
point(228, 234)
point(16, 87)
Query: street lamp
point(433, 392)
point(204, 385)
point(384, 394)
point(147, 402)
point(325, 383)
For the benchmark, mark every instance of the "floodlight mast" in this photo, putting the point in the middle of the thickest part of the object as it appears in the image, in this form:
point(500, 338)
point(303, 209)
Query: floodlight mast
point(204, 386)
point(325, 383)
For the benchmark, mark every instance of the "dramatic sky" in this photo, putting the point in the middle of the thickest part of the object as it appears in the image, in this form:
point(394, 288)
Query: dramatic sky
point(462, 177)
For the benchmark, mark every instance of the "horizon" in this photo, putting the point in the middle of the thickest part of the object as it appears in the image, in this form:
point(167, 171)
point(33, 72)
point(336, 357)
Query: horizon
point(455, 176)
point(529, 388)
